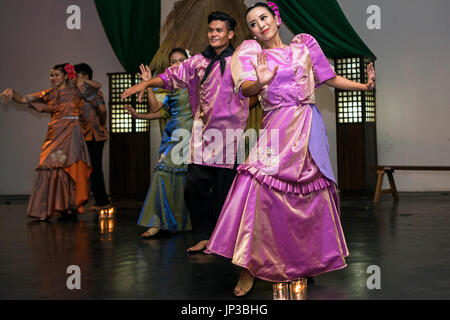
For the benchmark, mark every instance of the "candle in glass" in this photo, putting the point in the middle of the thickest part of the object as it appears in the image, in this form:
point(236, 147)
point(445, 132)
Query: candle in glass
point(298, 289)
point(281, 291)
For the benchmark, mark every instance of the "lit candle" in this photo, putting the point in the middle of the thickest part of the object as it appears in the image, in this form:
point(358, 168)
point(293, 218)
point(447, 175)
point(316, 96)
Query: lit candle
point(298, 289)
point(281, 291)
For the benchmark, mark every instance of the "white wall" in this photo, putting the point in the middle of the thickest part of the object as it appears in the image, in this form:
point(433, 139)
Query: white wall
point(413, 109)
point(411, 47)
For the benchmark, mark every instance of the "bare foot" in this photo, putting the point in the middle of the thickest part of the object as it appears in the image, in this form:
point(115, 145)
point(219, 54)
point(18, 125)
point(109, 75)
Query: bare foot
point(150, 232)
point(200, 246)
point(245, 283)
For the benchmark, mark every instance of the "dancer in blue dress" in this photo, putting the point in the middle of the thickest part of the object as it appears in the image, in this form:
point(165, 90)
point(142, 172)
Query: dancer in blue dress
point(164, 207)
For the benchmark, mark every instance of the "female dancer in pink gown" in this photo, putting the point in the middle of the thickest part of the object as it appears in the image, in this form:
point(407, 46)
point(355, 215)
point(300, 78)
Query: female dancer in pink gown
point(280, 221)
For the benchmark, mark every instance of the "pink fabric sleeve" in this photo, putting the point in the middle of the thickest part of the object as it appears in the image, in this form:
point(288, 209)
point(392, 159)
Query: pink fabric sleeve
point(322, 69)
point(178, 77)
point(241, 67)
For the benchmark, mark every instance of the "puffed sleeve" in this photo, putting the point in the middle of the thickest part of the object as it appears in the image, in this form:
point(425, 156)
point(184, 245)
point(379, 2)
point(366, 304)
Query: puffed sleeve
point(39, 100)
point(178, 77)
point(322, 69)
point(241, 67)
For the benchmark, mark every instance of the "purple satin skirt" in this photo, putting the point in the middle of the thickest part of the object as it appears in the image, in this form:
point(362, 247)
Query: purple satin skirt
point(282, 228)
point(280, 236)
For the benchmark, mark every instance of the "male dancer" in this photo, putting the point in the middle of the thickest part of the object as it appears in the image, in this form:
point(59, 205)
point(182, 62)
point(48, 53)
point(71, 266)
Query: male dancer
point(93, 119)
point(216, 108)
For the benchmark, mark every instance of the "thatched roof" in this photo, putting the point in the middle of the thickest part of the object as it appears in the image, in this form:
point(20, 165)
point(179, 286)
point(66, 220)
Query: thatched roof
point(186, 27)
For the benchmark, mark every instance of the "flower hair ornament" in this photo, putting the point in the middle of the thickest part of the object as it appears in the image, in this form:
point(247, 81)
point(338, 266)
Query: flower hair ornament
point(70, 69)
point(275, 9)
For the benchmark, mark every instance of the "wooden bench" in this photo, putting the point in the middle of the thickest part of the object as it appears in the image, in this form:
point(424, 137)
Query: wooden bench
point(389, 170)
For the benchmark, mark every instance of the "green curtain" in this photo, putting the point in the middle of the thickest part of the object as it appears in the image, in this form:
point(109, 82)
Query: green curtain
point(132, 27)
point(325, 21)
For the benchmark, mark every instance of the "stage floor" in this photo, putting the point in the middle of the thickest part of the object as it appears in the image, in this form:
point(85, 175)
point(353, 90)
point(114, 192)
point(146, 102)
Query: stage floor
point(408, 241)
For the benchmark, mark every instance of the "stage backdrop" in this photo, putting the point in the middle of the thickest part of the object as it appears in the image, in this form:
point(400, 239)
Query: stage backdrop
point(412, 74)
point(132, 28)
point(324, 20)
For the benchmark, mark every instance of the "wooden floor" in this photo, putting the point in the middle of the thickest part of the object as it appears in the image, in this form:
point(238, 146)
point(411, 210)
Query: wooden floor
point(408, 240)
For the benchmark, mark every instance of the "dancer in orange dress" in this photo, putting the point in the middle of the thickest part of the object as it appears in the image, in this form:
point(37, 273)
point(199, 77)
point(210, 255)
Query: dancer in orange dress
point(60, 185)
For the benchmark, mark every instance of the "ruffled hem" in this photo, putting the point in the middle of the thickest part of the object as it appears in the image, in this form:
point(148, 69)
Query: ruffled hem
point(50, 166)
point(177, 171)
point(285, 186)
point(57, 166)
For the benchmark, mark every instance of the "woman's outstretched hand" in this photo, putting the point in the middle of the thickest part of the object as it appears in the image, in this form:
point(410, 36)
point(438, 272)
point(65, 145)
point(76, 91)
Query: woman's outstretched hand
point(131, 111)
point(7, 95)
point(134, 89)
point(370, 76)
point(146, 73)
point(263, 72)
